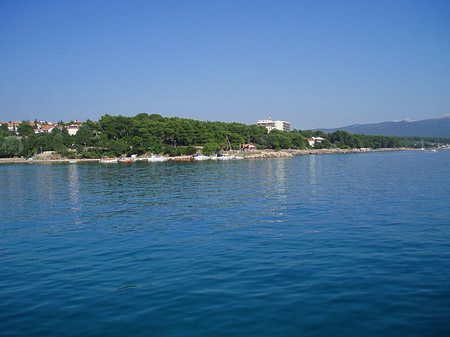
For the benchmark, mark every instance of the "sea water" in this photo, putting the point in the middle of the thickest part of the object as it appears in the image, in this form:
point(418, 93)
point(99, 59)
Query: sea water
point(319, 245)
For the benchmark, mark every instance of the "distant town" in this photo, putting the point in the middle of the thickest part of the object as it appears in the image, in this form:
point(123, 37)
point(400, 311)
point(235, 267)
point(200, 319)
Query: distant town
point(45, 126)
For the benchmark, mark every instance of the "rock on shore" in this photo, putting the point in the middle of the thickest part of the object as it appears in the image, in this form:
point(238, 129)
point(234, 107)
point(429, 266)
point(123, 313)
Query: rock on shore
point(268, 154)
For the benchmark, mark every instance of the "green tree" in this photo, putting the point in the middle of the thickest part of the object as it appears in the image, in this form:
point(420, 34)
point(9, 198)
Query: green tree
point(25, 130)
point(42, 142)
point(210, 148)
point(4, 127)
point(4, 131)
point(83, 135)
point(116, 127)
point(298, 141)
point(12, 146)
point(66, 137)
point(58, 142)
point(307, 133)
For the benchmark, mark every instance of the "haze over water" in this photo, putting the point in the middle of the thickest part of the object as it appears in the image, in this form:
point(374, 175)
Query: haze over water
point(320, 245)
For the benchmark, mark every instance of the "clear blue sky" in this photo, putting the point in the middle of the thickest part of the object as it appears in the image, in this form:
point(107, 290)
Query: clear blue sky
point(313, 63)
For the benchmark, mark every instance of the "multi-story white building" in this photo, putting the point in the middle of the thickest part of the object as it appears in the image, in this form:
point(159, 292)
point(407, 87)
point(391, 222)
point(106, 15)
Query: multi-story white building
point(279, 125)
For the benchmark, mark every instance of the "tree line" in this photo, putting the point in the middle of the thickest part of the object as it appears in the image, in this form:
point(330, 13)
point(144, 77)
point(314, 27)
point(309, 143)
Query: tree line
point(151, 133)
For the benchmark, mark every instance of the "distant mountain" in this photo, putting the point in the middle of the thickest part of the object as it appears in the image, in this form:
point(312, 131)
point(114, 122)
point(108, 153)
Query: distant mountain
point(436, 127)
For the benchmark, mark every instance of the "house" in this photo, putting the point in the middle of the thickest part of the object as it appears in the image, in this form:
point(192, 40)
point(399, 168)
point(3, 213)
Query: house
point(248, 147)
point(318, 139)
point(315, 140)
point(73, 129)
point(46, 128)
point(13, 125)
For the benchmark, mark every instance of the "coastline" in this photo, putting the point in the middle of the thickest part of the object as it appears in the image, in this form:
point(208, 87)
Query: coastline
point(44, 161)
point(292, 153)
point(257, 154)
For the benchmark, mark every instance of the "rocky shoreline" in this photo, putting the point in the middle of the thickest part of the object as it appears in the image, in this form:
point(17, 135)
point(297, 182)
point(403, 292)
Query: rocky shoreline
point(257, 154)
point(292, 153)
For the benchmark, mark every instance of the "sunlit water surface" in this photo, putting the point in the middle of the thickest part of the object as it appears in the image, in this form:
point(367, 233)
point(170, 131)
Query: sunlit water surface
point(320, 245)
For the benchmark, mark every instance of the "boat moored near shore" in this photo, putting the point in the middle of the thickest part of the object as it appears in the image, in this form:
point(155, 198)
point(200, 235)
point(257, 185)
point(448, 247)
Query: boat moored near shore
point(155, 158)
point(108, 160)
point(126, 160)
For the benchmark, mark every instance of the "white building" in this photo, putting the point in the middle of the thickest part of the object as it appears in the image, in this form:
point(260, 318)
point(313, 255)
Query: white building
point(13, 125)
point(279, 125)
point(46, 128)
point(73, 129)
point(315, 140)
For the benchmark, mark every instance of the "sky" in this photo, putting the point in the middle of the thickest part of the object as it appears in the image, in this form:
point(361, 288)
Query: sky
point(315, 64)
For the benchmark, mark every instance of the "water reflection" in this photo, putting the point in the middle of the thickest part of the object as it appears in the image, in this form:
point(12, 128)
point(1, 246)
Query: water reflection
point(74, 188)
point(280, 177)
point(312, 174)
point(45, 183)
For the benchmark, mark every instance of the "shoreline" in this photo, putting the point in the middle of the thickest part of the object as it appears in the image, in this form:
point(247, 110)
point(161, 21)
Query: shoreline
point(44, 161)
point(294, 152)
point(257, 154)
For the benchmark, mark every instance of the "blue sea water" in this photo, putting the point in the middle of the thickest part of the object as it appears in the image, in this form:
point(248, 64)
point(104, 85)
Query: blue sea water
point(320, 245)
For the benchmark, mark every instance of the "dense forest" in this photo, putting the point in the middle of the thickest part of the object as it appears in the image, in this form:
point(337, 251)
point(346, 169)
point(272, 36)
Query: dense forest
point(144, 134)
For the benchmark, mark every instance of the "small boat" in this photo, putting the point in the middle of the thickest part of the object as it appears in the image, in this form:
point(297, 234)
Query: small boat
point(153, 158)
point(74, 161)
point(107, 160)
point(199, 157)
point(226, 156)
point(126, 160)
